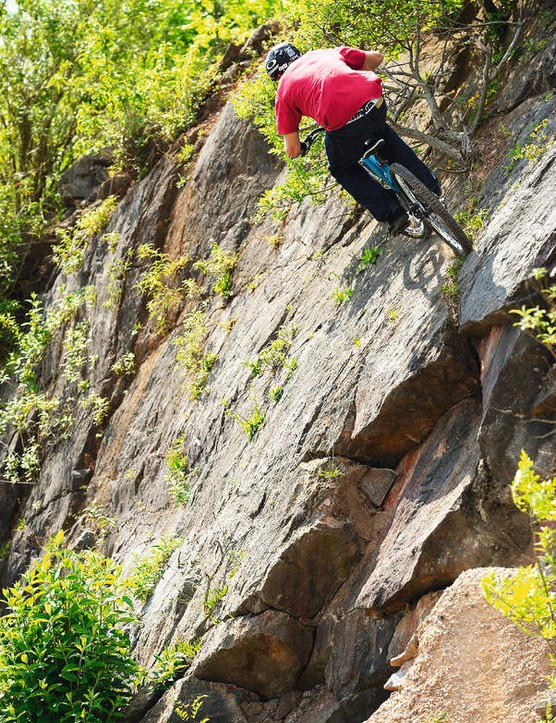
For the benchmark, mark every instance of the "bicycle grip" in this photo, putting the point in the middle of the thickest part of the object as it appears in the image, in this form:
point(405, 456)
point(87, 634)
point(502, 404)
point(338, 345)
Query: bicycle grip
point(303, 148)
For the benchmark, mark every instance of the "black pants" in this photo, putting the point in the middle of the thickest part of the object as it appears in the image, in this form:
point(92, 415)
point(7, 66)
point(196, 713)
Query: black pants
point(344, 148)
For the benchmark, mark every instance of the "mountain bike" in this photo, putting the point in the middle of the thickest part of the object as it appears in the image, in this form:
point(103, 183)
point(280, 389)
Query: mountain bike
point(418, 201)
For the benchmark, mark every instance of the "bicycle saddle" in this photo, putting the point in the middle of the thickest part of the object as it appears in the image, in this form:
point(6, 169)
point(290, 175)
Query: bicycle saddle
point(374, 148)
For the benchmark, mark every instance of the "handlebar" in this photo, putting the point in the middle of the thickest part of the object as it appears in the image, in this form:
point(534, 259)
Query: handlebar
point(309, 139)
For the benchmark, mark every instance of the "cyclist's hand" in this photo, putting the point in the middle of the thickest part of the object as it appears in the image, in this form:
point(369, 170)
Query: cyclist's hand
point(303, 148)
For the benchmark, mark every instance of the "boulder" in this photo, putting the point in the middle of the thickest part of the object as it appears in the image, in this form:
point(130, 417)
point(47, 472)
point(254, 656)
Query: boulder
point(81, 181)
point(264, 653)
point(472, 664)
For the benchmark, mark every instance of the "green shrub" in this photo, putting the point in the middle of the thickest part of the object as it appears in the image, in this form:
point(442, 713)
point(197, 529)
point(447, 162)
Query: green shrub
point(540, 321)
point(178, 473)
point(191, 356)
point(64, 653)
point(219, 267)
point(149, 568)
point(528, 597)
point(125, 365)
point(72, 243)
point(162, 284)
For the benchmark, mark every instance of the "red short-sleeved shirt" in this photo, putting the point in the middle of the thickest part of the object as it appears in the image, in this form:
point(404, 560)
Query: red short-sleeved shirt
point(327, 86)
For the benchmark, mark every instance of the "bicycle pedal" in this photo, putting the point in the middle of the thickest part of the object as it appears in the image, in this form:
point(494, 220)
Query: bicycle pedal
point(415, 229)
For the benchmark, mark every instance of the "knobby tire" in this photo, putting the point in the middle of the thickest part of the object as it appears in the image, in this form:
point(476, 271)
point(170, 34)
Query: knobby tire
point(435, 213)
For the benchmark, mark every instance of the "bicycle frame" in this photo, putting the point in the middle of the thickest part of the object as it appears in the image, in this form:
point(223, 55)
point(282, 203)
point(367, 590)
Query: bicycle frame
point(380, 171)
point(418, 201)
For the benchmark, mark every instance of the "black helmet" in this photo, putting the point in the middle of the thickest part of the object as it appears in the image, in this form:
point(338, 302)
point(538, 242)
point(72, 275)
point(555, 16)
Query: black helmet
point(279, 58)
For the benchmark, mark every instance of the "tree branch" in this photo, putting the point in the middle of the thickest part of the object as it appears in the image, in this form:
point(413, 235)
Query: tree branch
point(430, 140)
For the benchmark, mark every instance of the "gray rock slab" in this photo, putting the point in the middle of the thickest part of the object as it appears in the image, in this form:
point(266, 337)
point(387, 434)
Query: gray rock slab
point(264, 653)
point(430, 537)
point(519, 237)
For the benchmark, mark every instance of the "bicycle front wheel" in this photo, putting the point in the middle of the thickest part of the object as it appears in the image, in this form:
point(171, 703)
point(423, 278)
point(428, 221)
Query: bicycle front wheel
point(432, 210)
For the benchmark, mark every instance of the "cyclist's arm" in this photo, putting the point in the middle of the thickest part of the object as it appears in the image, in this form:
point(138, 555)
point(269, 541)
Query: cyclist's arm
point(292, 144)
point(372, 60)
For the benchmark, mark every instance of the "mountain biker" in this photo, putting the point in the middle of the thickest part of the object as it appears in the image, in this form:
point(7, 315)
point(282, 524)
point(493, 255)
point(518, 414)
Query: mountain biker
point(339, 90)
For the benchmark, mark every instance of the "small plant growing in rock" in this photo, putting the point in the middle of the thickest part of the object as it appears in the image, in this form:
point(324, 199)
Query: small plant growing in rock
point(149, 568)
point(178, 473)
point(275, 394)
point(192, 356)
point(330, 470)
point(450, 288)
point(69, 251)
point(219, 267)
point(117, 274)
point(98, 406)
point(212, 600)
point(252, 424)
point(76, 341)
point(538, 321)
point(171, 663)
point(274, 354)
point(275, 240)
point(369, 257)
point(535, 146)
point(24, 466)
point(341, 296)
point(214, 594)
point(473, 219)
point(162, 284)
point(438, 718)
point(190, 711)
point(393, 314)
point(125, 365)
point(95, 515)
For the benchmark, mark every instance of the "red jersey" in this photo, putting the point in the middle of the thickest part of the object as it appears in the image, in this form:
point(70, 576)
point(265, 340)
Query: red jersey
point(327, 86)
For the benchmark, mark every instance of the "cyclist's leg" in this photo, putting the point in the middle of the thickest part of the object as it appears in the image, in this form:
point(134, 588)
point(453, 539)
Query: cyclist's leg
point(397, 151)
point(382, 203)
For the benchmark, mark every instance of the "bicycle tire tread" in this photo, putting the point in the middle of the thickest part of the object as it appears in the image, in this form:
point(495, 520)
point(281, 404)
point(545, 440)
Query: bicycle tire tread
point(429, 199)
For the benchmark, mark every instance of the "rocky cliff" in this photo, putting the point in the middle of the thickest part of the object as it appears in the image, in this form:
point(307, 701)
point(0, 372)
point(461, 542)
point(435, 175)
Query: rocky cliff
point(347, 453)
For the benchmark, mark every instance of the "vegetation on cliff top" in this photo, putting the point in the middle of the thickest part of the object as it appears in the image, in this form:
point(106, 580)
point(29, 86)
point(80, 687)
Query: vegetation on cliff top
point(86, 76)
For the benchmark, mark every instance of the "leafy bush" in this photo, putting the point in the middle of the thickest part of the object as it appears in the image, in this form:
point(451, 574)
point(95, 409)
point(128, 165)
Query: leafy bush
point(149, 568)
point(540, 321)
point(178, 473)
point(81, 77)
point(528, 597)
point(37, 416)
point(64, 652)
point(192, 357)
point(219, 267)
point(163, 285)
point(68, 252)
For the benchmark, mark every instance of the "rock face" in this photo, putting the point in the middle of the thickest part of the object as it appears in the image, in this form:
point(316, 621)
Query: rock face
point(83, 179)
point(380, 445)
point(471, 664)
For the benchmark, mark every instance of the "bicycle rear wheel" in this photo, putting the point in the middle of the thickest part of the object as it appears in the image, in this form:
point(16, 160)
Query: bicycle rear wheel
point(432, 210)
